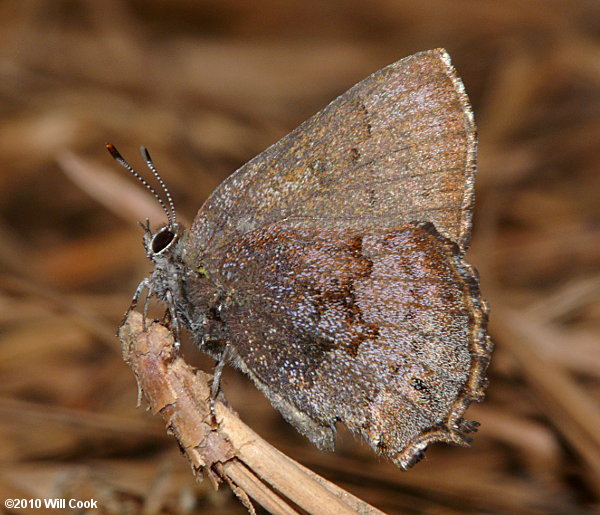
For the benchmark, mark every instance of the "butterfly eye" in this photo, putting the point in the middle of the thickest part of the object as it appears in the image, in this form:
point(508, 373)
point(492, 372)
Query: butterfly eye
point(162, 240)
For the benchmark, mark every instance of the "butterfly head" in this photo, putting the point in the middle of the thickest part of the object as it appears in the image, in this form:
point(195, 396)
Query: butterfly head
point(162, 242)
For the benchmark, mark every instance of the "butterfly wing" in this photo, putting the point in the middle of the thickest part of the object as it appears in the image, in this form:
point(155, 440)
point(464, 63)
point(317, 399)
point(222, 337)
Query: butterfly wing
point(383, 330)
point(338, 259)
point(398, 147)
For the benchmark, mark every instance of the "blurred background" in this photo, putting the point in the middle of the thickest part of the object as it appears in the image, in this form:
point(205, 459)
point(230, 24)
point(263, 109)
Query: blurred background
point(206, 85)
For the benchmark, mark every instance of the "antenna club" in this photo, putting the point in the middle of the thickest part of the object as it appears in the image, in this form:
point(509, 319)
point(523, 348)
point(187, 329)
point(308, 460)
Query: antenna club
point(113, 151)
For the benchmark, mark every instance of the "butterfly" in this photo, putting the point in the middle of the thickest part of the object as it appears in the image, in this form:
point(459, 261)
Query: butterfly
point(330, 268)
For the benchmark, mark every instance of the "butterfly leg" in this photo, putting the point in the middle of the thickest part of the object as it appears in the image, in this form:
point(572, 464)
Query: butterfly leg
point(144, 284)
point(174, 319)
point(215, 386)
point(146, 302)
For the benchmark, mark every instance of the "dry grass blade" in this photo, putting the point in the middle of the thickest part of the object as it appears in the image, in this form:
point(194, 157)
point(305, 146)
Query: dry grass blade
point(117, 192)
point(80, 314)
point(229, 450)
point(573, 411)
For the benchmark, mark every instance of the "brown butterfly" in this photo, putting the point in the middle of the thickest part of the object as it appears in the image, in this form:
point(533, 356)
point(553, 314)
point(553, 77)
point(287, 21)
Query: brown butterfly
point(330, 268)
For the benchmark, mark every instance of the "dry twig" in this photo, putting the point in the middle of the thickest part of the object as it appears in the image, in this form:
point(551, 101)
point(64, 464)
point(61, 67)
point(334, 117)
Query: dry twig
point(228, 450)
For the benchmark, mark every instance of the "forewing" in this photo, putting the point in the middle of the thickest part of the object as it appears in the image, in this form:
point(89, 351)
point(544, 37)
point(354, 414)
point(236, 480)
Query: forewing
point(396, 148)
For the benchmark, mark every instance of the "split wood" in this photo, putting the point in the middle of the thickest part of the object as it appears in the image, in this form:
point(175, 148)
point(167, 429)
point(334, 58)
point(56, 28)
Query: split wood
point(225, 450)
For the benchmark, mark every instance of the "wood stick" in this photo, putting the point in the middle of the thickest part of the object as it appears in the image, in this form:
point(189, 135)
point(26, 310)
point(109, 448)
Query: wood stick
point(226, 449)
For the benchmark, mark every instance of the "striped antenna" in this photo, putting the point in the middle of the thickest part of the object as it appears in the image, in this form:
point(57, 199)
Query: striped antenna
point(119, 159)
point(150, 164)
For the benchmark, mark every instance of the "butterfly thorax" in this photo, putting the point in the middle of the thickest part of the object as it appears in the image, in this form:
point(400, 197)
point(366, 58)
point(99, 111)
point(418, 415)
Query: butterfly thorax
point(191, 294)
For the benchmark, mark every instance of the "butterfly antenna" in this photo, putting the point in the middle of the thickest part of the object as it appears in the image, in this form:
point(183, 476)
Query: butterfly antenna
point(150, 164)
point(119, 159)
